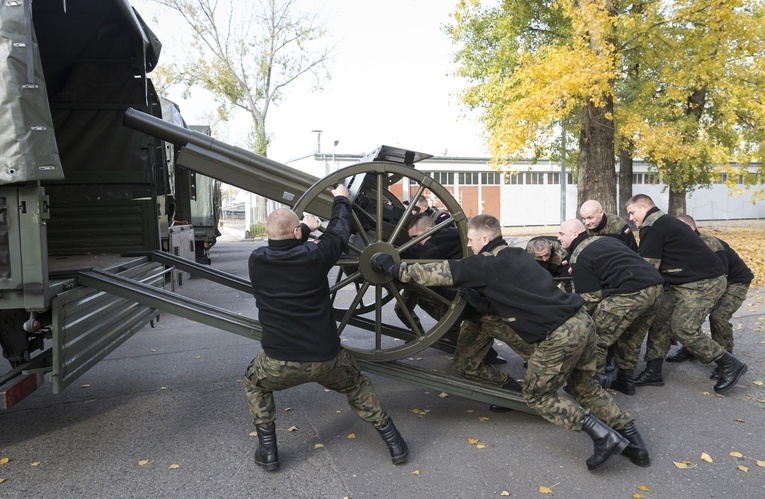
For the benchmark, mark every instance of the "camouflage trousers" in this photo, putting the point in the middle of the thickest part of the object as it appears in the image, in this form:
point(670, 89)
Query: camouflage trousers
point(265, 375)
point(568, 355)
point(477, 335)
point(726, 306)
point(680, 316)
point(623, 321)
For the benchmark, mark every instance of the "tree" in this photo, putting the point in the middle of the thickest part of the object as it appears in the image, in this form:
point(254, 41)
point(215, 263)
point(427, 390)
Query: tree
point(247, 53)
point(676, 82)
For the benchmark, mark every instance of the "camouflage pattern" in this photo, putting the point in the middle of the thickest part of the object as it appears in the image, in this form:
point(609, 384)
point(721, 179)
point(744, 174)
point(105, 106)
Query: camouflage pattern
point(427, 274)
point(726, 306)
point(680, 316)
point(713, 243)
point(614, 225)
point(476, 337)
point(342, 374)
point(623, 321)
point(558, 254)
point(568, 355)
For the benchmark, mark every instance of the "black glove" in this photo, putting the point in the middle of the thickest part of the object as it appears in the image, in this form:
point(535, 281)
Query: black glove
point(382, 263)
point(475, 300)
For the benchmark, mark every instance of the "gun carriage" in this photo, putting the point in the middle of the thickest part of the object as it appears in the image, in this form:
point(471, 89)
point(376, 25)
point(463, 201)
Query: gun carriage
point(87, 310)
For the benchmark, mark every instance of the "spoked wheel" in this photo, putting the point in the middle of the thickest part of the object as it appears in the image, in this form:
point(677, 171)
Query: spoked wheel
point(364, 300)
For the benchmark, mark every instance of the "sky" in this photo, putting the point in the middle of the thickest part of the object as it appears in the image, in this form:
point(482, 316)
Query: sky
point(390, 84)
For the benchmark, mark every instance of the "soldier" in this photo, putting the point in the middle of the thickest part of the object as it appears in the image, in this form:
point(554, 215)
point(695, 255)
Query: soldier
point(554, 321)
point(445, 244)
point(695, 280)
point(621, 291)
point(548, 252)
point(300, 341)
point(738, 278)
point(600, 223)
point(422, 206)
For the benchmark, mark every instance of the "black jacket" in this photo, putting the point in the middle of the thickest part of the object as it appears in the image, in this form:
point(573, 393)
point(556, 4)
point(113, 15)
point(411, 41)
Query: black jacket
point(289, 280)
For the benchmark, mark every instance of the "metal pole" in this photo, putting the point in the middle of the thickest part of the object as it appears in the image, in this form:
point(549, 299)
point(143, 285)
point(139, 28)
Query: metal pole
point(563, 175)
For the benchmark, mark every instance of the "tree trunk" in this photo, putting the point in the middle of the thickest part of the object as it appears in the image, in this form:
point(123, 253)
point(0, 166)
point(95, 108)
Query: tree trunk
point(596, 167)
point(676, 201)
point(625, 181)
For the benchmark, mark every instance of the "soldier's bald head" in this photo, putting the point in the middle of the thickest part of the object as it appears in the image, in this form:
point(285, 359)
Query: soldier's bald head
point(591, 213)
point(281, 224)
point(570, 230)
point(687, 220)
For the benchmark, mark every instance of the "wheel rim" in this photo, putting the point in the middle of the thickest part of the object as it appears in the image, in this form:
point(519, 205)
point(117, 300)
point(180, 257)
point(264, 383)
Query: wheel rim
point(362, 324)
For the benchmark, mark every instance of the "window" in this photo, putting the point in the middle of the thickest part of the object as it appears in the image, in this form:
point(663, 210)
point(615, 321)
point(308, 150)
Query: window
point(490, 178)
point(513, 178)
point(443, 178)
point(468, 178)
point(553, 178)
point(535, 178)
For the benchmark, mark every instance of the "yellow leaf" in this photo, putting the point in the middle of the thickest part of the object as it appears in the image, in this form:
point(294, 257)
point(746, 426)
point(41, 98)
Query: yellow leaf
point(416, 472)
point(758, 383)
point(253, 433)
point(682, 466)
point(351, 435)
point(739, 420)
point(443, 395)
point(472, 441)
point(36, 463)
point(504, 493)
point(705, 393)
point(761, 464)
point(416, 411)
point(174, 466)
point(545, 490)
point(636, 496)
point(643, 488)
point(743, 468)
point(2, 480)
point(706, 457)
point(736, 454)
point(4, 460)
point(292, 428)
point(483, 420)
point(762, 401)
point(480, 446)
point(143, 462)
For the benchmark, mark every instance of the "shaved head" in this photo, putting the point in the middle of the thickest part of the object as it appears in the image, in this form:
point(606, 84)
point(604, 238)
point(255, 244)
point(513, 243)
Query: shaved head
point(570, 230)
point(591, 213)
point(281, 224)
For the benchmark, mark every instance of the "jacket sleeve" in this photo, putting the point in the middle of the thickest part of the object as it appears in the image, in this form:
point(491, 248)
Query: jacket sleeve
point(335, 238)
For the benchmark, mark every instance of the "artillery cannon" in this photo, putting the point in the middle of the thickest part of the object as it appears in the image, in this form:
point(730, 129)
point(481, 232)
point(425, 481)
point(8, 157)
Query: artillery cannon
point(379, 219)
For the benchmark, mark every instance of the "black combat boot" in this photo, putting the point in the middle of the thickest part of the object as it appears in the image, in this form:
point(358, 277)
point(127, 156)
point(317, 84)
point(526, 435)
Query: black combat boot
point(608, 442)
point(652, 374)
point(511, 385)
point(716, 371)
point(603, 380)
point(492, 357)
point(635, 451)
point(267, 455)
point(681, 355)
point(395, 442)
point(731, 369)
point(610, 367)
point(623, 381)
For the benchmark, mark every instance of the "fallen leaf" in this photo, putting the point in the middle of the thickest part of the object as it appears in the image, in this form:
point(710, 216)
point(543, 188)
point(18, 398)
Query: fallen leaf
point(736, 454)
point(545, 490)
point(443, 395)
point(174, 466)
point(292, 428)
point(705, 393)
point(351, 435)
point(416, 411)
point(470, 410)
point(643, 488)
point(706, 457)
point(472, 441)
point(253, 433)
point(762, 401)
point(483, 419)
point(682, 466)
point(143, 462)
point(287, 409)
point(198, 357)
point(85, 386)
point(761, 464)
point(743, 468)
point(758, 383)
point(504, 493)
point(2, 480)
point(4, 460)
point(480, 446)
point(416, 472)
point(36, 463)
point(318, 446)
point(636, 496)
point(739, 420)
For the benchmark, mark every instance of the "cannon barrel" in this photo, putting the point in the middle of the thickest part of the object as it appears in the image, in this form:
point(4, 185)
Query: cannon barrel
point(232, 165)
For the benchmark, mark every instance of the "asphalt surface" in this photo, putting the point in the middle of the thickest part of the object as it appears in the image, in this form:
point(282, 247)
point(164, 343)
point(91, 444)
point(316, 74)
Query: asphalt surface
point(172, 396)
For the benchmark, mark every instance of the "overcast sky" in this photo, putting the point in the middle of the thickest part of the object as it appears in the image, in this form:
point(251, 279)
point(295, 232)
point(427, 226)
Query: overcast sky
point(390, 84)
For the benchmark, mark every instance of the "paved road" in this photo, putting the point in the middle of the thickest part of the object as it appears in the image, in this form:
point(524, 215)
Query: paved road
point(172, 395)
